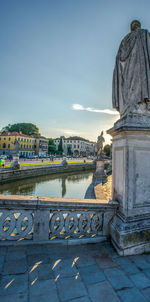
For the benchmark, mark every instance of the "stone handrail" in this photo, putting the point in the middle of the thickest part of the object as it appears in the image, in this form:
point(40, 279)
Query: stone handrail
point(28, 219)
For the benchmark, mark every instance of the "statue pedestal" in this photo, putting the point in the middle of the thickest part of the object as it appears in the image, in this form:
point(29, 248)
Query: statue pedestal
point(99, 175)
point(130, 228)
point(15, 164)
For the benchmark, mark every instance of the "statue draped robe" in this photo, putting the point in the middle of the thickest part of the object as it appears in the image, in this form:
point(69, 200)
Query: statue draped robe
point(131, 77)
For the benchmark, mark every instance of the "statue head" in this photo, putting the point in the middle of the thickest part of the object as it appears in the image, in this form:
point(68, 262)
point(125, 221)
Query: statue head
point(135, 24)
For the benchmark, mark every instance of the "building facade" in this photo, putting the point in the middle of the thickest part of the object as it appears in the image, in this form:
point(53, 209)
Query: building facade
point(26, 144)
point(41, 145)
point(76, 146)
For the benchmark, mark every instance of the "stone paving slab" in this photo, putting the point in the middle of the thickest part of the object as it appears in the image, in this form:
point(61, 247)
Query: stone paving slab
point(130, 295)
point(14, 284)
point(140, 280)
point(15, 267)
point(15, 298)
point(102, 292)
point(91, 274)
point(70, 288)
point(86, 273)
point(127, 265)
point(64, 268)
point(117, 278)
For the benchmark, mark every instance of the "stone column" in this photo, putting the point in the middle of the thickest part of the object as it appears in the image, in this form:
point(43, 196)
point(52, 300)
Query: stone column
point(130, 227)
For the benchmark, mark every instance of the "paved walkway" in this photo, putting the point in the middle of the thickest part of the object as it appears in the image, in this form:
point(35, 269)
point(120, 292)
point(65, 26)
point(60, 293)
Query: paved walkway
point(89, 273)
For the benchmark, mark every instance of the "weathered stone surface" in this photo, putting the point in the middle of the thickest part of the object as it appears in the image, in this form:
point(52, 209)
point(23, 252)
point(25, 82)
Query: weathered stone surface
point(14, 284)
point(15, 267)
point(101, 292)
point(117, 278)
point(64, 268)
point(140, 280)
point(15, 298)
point(126, 265)
point(146, 293)
point(40, 271)
point(70, 288)
point(104, 261)
point(40, 288)
point(128, 295)
point(91, 274)
point(130, 227)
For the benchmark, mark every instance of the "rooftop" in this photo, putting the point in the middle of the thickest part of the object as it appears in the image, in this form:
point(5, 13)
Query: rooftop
point(85, 273)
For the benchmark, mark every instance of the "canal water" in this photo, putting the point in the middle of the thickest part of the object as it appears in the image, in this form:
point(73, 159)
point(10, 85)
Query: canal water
point(67, 185)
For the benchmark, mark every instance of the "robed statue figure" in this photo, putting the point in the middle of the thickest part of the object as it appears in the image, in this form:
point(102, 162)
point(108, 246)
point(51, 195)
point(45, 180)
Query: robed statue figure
point(131, 78)
point(99, 146)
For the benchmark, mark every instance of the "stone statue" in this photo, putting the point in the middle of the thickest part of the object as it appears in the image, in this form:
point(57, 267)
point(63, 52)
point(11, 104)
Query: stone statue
point(131, 78)
point(15, 164)
point(99, 145)
point(16, 147)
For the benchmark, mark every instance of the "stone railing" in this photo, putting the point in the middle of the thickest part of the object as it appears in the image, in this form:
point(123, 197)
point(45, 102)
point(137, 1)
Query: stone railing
point(72, 221)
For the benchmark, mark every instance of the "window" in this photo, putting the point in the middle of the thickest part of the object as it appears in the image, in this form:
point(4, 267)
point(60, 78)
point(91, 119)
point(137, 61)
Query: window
point(24, 139)
point(9, 138)
point(27, 140)
point(8, 145)
point(30, 146)
point(0, 138)
point(21, 146)
point(24, 146)
point(70, 141)
point(18, 139)
point(74, 146)
point(78, 146)
point(27, 146)
point(4, 138)
point(30, 140)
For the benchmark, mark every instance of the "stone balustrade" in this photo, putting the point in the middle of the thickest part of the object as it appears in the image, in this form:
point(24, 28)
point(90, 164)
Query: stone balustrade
point(28, 219)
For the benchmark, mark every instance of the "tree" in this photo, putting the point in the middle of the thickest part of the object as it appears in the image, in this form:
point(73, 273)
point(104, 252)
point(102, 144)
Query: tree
point(51, 146)
point(107, 150)
point(25, 128)
point(60, 147)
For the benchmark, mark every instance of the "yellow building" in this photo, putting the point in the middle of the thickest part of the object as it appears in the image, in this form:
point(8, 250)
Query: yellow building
point(26, 144)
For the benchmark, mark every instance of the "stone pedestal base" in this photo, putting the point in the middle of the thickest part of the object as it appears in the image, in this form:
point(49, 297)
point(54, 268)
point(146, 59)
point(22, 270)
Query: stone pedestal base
point(15, 164)
point(99, 175)
point(130, 228)
point(130, 236)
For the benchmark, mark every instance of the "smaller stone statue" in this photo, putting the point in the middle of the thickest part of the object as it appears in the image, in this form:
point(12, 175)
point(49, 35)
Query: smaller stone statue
point(99, 146)
point(16, 147)
point(15, 164)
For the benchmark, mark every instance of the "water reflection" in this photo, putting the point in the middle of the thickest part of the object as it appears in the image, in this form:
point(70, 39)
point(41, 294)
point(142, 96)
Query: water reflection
point(60, 185)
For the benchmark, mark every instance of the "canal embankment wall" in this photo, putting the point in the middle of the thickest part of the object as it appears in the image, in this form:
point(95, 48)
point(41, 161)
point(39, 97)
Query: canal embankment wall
point(34, 171)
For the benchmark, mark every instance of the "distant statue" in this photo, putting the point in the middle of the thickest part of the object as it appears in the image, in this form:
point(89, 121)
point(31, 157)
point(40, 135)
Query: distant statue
point(99, 146)
point(131, 78)
point(16, 147)
point(15, 164)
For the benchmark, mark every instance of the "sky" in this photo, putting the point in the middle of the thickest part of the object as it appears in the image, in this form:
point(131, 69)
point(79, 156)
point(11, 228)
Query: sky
point(57, 60)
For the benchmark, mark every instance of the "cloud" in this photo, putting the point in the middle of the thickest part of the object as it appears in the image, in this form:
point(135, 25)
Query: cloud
point(107, 111)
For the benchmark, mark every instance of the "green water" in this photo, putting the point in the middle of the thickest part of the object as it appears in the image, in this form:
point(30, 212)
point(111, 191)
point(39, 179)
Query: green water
point(69, 185)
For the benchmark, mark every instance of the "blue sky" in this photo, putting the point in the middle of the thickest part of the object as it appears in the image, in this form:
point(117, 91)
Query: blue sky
point(55, 54)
